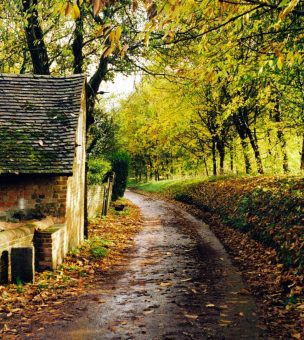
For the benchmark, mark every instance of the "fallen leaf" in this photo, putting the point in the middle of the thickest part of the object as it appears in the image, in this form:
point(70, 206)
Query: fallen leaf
point(191, 316)
point(244, 291)
point(223, 307)
point(225, 322)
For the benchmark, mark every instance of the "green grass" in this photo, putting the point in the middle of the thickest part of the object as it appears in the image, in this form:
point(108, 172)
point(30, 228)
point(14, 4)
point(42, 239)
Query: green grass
point(177, 185)
point(98, 247)
point(164, 185)
point(268, 208)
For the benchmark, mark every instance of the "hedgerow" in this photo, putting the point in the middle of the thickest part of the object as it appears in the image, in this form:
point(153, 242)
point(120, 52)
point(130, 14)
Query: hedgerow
point(269, 209)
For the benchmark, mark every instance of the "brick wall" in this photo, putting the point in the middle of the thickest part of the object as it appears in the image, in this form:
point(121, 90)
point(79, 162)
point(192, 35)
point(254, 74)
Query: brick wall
point(43, 193)
point(50, 247)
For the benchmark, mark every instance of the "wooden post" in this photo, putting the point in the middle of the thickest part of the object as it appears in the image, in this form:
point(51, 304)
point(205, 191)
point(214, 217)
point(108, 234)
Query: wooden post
point(107, 194)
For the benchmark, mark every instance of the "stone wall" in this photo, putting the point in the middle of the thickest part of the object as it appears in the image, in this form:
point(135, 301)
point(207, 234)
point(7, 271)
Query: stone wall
point(99, 198)
point(14, 238)
point(76, 186)
point(37, 195)
point(49, 245)
point(95, 200)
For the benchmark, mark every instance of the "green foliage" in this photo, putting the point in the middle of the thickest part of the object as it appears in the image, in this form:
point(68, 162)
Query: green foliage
point(99, 252)
point(74, 252)
point(270, 209)
point(98, 247)
point(98, 168)
point(172, 186)
point(232, 105)
point(120, 166)
point(102, 139)
point(20, 287)
point(124, 212)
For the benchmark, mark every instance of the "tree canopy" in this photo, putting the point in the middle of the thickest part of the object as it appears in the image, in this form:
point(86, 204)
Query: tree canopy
point(228, 92)
point(234, 74)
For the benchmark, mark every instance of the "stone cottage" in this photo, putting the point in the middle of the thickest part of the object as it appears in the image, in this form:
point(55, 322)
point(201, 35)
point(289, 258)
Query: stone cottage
point(42, 166)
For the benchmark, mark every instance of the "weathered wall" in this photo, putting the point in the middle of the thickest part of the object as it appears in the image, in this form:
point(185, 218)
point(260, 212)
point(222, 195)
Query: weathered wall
point(76, 186)
point(95, 200)
point(19, 237)
point(43, 193)
point(99, 198)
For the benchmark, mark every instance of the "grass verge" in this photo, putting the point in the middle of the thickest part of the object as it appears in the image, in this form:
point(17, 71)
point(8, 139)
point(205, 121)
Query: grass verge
point(259, 220)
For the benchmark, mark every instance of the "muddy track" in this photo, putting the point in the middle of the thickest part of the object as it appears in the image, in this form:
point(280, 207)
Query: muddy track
point(178, 284)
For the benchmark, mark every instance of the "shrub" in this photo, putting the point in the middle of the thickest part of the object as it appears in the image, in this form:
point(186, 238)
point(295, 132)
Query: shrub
point(98, 168)
point(120, 165)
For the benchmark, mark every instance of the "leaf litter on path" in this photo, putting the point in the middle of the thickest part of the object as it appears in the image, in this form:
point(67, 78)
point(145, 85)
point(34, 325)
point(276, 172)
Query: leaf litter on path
point(47, 296)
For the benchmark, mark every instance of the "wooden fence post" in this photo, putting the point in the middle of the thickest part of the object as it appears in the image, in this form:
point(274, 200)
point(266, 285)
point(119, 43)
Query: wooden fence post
point(108, 188)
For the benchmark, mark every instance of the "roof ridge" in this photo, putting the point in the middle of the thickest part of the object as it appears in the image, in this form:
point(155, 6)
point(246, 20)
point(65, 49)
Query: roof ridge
point(33, 76)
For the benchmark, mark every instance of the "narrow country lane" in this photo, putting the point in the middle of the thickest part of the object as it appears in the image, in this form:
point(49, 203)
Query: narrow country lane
point(179, 284)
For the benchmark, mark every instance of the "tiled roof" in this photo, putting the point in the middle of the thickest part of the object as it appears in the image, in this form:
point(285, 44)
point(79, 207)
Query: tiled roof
point(38, 120)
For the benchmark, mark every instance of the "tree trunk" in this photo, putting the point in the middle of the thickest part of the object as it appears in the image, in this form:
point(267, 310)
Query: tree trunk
point(34, 38)
point(146, 174)
point(24, 62)
point(150, 169)
point(240, 125)
point(156, 175)
point(269, 143)
point(281, 137)
point(256, 152)
point(282, 140)
point(247, 162)
point(240, 121)
point(93, 87)
point(214, 157)
point(302, 154)
point(221, 149)
point(77, 44)
point(206, 167)
point(231, 159)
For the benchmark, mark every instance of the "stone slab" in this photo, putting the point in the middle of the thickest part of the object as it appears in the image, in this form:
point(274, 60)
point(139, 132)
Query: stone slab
point(22, 264)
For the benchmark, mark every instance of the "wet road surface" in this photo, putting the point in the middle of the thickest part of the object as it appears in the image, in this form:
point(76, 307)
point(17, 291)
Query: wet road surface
point(178, 284)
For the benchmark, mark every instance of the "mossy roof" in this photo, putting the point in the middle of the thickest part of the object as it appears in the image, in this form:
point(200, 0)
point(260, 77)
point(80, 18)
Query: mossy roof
point(38, 121)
